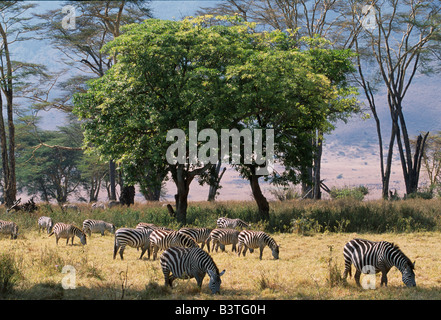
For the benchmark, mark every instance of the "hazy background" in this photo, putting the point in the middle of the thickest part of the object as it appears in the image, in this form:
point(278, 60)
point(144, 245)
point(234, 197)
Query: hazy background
point(350, 155)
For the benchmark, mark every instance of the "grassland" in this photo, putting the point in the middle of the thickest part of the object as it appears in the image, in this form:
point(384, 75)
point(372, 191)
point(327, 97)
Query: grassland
point(309, 267)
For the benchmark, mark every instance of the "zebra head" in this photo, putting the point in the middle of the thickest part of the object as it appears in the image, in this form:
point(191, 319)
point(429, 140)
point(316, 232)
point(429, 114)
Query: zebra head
point(275, 252)
point(83, 238)
point(408, 275)
point(215, 281)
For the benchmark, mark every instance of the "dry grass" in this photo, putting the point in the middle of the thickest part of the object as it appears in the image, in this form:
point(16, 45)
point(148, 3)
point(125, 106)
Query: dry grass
point(302, 272)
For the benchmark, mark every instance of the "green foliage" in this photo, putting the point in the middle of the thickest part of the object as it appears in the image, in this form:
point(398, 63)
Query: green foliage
point(221, 72)
point(356, 193)
point(9, 273)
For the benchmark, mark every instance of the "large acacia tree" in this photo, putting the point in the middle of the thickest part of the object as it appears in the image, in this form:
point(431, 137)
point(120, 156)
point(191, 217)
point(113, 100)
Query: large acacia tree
point(219, 72)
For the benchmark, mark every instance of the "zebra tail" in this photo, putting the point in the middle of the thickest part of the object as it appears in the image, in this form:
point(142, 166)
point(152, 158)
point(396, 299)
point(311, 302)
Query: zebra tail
point(50, 234)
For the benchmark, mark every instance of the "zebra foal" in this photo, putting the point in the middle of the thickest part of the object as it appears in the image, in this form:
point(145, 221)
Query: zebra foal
point(377, 256)
point(187, 263)
point(45, 223)
point(90, 225)
point(224, 222)
point(135, 238)
point(200, 235)
point(163, 239)
point(9, 227)
point(63, 230)
point(257, 239)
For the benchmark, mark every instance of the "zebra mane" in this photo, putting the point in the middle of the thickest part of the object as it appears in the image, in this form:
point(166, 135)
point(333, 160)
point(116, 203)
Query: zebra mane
point(406, 258)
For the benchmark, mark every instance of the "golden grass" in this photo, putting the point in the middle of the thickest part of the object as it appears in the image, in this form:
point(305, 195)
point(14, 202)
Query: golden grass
point(302, 272)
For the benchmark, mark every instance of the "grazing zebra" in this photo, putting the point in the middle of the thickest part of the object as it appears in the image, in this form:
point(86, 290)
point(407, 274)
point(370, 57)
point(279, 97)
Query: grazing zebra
point(187, 263)
point(63, 230)
point(257, 239)
point(381, 256)
point(224, 237)
point(45, 223)
point(135, 238)
point(90, 226)
point(163, 239)
point(231, 223)
point(200, 235)
point(9, 227)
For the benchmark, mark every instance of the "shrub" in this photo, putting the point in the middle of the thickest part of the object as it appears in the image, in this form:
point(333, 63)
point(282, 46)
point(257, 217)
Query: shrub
point(9, 273)
point(357, 193)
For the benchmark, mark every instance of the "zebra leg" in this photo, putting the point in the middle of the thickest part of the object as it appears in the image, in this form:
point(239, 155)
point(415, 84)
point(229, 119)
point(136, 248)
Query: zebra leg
point(347, 269)
point(233, 248)
point(199, 279)
point(261, 252)
point(155, 251)
point(115, 250)
point(208, 244)
point(168, 279)
point(384, 278)
point(357, 277)
point(121, 252)
point(143, 249)
point(56, 239)
point(239, 249)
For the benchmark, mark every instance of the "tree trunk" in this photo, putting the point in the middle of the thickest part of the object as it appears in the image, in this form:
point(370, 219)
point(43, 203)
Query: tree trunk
point(262, 202)
point(215, 179)
point(112, 180)
point(316, 183)
point(183, 187)
point(183, 179)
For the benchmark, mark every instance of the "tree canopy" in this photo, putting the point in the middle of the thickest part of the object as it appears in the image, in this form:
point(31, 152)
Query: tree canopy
point(220, 72)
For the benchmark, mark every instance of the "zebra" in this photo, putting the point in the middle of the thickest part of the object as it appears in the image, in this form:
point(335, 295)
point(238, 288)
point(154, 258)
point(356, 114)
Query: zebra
point(151, 226)
point(378, 255)
point(223, 237)
point(90, 225)
point(64, 230)
point(45, 223)
point(187, 263)
point(224, 222)
point(164, 239)
point(135, 238)
point(256, 239)
point(9, 227)
point(200, 235)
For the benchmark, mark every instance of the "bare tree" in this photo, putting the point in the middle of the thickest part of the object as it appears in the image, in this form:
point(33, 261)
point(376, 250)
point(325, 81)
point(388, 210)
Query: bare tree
point(13, 28)
point(400, 41)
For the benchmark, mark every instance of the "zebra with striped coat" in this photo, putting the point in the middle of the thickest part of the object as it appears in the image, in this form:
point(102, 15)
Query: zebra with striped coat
point(64, 230)
point(224, 222)
point(378, 256)
point(163, 239)
point(257, 239)
point(90, 225)
point(135, 238)
point(9, 227)
point(223, 237)
point(200, 235)
point(45, 223)
point(187, 263)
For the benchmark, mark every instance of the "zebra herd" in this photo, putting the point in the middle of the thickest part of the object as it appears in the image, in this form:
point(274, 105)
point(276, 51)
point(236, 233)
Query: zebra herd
point(183, 258)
